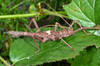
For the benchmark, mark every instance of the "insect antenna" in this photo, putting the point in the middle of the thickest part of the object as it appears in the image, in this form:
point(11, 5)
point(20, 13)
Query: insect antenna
point(56, 12)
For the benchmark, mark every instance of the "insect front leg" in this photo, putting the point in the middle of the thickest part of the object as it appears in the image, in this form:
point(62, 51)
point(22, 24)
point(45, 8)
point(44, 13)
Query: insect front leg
point(33, 20)
point(36, 45)
point(79, 25)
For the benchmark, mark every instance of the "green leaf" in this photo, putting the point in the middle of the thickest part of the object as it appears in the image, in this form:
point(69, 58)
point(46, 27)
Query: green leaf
point(1, 64)
point(17, 5)
point(22, 50)
point(95, 32)
point(88, 57)
point(85, 11)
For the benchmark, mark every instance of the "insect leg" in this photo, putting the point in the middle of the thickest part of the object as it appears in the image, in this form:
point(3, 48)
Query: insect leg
point(57, 24)
point(33, 20)
point(80, 26)
point(36, 45)
point(66, 43)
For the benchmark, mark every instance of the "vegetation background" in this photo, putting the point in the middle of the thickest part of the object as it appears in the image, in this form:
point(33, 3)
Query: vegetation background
point(16, 14)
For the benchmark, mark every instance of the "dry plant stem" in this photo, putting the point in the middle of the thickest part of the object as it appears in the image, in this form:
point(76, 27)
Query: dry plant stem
point(5, 62)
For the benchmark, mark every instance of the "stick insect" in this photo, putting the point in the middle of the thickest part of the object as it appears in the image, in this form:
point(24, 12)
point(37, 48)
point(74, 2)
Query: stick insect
point(51, 34)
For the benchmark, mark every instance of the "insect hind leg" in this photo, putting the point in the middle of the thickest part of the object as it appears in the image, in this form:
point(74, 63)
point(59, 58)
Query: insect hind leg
point(79, 25)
